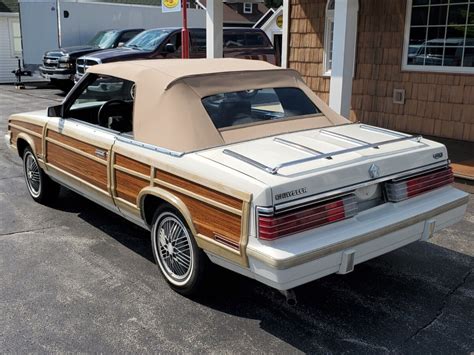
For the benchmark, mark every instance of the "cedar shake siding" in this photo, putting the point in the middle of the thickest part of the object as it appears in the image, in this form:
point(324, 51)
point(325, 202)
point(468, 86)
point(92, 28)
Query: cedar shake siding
point(306, 39)
point(436, 104)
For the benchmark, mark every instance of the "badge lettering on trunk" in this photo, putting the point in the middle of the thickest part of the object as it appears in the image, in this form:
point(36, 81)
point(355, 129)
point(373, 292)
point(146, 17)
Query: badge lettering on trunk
point(374, 171)
point(283, 195)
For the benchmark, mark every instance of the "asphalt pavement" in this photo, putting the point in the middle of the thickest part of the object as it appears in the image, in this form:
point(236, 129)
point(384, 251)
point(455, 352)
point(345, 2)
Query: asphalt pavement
point(77, 278)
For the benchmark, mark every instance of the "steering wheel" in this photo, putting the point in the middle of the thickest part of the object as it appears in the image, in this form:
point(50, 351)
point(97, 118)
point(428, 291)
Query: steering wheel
point(102, 117)
point(248, 94)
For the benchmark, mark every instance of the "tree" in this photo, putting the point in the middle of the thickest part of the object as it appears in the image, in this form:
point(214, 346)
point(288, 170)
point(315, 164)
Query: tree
point(273, 3)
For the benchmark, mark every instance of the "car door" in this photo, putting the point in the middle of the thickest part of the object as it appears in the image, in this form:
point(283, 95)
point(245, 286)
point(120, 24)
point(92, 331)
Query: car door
point(78, 148)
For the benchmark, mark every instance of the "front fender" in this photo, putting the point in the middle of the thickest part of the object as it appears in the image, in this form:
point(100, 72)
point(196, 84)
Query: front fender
point(28, 140)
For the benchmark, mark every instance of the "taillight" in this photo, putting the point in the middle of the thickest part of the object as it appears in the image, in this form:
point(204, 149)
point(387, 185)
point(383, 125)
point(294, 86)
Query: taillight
point(399, 190)
point(294, 221)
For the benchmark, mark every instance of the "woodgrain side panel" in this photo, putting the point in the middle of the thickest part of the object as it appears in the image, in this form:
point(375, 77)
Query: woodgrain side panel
point(30, 126)
point(72, 142)
point(83, 168)
point(37, 141)
point(131, 164)
point(210, 220)
point(128, 186)
point(199, 189)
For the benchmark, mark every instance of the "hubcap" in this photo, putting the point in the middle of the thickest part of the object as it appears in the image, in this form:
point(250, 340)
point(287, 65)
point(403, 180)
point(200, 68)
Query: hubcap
point(32, 174)
point(174, 249)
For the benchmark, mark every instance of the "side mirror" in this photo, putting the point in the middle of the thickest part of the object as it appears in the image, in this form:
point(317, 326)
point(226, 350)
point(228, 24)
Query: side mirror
point(170, 48)
point(120, 44)
point(55, 111)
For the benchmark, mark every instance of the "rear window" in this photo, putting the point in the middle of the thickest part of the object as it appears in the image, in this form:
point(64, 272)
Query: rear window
point(257, 106)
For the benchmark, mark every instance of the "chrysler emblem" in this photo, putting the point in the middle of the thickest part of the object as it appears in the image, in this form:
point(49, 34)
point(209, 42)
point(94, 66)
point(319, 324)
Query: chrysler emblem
point(374, 171)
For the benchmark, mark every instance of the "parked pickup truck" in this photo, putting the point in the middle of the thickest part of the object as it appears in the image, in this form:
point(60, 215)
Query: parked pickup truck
point(161, 43)
point(59, 65)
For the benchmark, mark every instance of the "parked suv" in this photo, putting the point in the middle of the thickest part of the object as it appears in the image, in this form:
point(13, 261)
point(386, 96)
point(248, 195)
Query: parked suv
point(246, 43)
point(59, 65)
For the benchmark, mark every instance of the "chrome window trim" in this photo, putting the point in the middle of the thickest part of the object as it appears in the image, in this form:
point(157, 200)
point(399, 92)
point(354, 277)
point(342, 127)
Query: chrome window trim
point(149, 146)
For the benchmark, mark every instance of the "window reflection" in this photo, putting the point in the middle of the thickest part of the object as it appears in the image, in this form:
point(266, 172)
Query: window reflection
point(441, 33)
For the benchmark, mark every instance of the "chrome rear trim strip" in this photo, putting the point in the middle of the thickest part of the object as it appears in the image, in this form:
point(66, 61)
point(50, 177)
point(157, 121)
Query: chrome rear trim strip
point(274, 170)
point(344, 151)
point(327, 132)
point(381, 130)
point(248, 160)
point(297, 146)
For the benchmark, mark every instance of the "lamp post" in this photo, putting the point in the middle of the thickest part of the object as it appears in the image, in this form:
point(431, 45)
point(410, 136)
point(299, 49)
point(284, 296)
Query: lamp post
point(184, 31)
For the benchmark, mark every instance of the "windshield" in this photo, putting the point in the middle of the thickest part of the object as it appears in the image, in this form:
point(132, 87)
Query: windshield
point(257, 106)
point(104, 39)
point(148, 40)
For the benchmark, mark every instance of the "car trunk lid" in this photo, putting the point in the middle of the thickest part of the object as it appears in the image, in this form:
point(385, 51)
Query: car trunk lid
point(310, 162)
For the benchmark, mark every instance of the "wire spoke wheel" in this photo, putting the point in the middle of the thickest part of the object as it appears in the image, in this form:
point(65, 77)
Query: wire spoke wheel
point(32, 174)
point(173, 248)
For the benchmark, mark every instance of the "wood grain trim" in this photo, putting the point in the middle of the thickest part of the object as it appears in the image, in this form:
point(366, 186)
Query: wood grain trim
point(198, 197)
point(133, 173)
point(32, 128)
point(77, 151)
point(15, 132)
point(209, 220)
point(198, 189)
point(75, 145)
point(72, 178)
point(128, 186)
point(132, 164)
point(78, 165)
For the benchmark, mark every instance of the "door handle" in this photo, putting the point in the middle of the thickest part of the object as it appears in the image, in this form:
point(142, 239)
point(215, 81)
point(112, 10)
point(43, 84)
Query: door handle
point(101, 153)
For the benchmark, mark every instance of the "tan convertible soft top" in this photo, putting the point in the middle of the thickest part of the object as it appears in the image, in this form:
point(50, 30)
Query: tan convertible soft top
point(168, 111)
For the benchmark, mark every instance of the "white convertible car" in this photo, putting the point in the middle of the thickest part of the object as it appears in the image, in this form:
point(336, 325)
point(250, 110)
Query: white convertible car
point(240, 163)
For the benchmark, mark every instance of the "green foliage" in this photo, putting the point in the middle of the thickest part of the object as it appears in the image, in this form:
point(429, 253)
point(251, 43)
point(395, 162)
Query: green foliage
point(273, 3)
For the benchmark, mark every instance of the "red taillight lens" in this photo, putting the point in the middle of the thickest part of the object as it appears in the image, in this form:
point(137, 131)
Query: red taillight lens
point(309, 217)
point(402, 189)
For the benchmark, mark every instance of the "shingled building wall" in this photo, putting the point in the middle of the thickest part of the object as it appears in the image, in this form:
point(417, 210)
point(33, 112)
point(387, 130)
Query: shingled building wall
point(435, 103)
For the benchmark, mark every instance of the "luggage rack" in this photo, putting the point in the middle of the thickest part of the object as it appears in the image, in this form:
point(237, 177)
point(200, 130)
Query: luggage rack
point(316, 155)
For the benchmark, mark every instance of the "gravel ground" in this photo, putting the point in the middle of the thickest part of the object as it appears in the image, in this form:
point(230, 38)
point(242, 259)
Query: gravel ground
point(75, 277)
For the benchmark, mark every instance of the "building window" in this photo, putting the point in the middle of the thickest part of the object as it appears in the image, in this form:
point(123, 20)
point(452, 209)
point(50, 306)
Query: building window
point(15, 36)
point(328, 37)
point(248, 7)
point(439, 36)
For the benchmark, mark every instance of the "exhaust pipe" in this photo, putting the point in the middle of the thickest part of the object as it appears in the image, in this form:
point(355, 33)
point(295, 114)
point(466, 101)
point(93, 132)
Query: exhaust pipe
point(290, 297)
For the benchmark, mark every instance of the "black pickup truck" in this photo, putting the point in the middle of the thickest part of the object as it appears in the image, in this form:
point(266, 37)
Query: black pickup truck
point(59, 65)
point(165, 43)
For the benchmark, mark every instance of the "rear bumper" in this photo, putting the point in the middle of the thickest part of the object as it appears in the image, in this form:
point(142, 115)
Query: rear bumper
point(293, 261)
point(59, 74)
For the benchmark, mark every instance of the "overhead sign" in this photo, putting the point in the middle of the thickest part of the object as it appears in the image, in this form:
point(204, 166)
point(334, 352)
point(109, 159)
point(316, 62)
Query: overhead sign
point(171, 5)
point(279, 21)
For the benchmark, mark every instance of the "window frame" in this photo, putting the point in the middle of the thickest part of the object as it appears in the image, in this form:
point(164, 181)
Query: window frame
point(13, 52)
point(245, 8)
point(327, 48)
point(74, 94)
point(427, 68)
